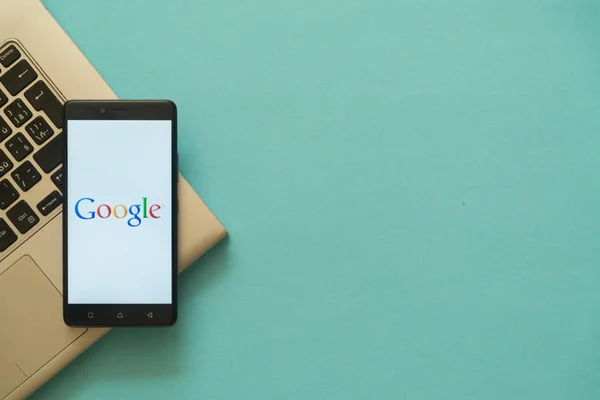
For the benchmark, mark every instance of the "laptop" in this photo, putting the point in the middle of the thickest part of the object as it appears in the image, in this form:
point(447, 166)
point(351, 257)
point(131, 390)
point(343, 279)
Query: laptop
point(40, 68)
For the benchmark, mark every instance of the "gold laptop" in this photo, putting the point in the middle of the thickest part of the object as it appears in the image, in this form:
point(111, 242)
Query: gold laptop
point(40, 68)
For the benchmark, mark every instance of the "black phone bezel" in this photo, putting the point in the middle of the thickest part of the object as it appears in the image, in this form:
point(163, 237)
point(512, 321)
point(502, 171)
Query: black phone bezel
point(121, 315)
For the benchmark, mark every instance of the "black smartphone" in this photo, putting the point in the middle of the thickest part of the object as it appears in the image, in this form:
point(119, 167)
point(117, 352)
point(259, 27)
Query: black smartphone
point(120, 213)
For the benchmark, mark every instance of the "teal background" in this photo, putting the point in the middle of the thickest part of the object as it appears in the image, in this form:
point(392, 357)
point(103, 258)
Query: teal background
point(411, 189)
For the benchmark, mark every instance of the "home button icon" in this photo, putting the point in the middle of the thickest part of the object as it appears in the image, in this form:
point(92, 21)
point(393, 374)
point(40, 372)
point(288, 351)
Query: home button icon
point(120, 315)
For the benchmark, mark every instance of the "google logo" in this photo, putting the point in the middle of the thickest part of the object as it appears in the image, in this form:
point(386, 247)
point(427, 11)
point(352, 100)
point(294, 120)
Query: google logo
point(119, 211)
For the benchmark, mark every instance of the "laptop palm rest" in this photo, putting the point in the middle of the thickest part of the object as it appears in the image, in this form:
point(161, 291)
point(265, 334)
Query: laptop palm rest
point(10, 376)
point(32, 330)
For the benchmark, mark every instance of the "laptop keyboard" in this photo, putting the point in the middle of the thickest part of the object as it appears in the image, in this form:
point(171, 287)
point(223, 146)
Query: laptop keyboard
point(31, 121)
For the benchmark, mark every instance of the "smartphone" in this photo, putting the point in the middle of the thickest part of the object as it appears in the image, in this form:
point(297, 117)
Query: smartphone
point(120, 213)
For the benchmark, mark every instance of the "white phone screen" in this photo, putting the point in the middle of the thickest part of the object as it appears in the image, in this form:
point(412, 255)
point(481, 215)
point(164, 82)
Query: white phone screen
point(119, 211)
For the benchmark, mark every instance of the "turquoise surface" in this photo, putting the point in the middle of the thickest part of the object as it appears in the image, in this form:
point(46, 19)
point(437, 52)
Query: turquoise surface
point(411, 189)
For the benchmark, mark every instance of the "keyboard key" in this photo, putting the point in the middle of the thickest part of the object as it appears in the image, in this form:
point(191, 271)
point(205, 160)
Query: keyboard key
point(26, 176)
point(8, 194)
point(42, 99)
point(50, 156)
point(3, 98)
point(39, 130)
point(17, 112)
point(18, 77)
point(58, 177)
point(5, 164)
point(22, 216)
point(19, 146)
point(7, 236)
point(9, 56)
point(5, 130)
point(49, 203)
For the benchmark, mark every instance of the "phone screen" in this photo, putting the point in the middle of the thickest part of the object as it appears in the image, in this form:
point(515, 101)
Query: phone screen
point(120, 211)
